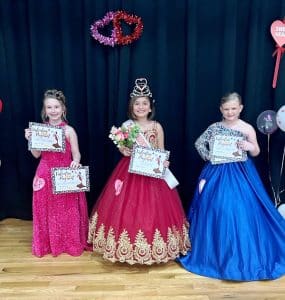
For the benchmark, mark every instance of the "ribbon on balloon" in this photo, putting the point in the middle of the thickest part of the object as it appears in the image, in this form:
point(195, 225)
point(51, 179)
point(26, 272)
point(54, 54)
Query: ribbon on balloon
point(277, 30)
point(267, 123)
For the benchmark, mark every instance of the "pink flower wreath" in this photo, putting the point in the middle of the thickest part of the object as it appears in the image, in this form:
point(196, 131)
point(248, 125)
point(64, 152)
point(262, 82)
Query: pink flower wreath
point(117, 37)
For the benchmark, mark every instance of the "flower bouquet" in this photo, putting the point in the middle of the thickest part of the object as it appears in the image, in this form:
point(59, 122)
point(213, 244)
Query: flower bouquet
point(124, 136)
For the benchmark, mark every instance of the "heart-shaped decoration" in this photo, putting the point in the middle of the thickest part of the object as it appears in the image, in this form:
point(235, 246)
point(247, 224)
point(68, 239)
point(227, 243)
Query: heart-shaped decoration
point(38, 183)
point(117, 36)
point(277, 30)
point(118, 186)
point(141, 82)
point(130, 20)
point(105, 40)
point(141, 89)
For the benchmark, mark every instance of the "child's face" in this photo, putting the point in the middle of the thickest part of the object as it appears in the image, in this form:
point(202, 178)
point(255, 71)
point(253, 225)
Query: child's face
point(53, 109)
point(141, 107)
point(231, 110)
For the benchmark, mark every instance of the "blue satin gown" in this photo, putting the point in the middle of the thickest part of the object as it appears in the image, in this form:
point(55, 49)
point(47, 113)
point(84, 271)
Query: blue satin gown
point(235, 230)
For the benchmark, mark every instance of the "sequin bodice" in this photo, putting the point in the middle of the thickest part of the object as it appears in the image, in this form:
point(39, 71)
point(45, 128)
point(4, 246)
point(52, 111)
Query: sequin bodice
point(151, 135)
point(202, 143)
point(59, 159)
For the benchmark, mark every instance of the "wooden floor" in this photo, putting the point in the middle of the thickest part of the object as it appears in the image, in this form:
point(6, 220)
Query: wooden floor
point(24, 276)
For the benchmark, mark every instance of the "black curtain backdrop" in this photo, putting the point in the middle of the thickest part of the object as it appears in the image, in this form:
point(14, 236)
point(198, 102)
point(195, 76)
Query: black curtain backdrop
point(191, 51)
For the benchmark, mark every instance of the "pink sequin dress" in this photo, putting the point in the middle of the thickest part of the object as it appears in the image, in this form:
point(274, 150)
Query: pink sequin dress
point(138, 219)
point(60, 221)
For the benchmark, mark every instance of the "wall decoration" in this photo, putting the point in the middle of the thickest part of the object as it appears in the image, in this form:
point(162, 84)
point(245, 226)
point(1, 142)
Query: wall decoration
point(278, 33)
point(117, 37)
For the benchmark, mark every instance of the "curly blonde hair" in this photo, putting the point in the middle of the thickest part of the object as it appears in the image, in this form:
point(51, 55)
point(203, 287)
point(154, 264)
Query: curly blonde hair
point(55, 94)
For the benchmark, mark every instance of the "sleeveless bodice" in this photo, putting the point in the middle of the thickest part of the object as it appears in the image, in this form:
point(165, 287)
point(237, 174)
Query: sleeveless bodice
point(59, 159)
point(151, 135)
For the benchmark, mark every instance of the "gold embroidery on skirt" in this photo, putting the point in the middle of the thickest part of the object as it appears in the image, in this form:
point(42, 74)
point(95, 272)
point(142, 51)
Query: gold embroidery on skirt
point(92, 227)
point(99, 241)
point(124, 249)
point(159, 247)
point(186, 241)
point(140, 251)
point(110, 248)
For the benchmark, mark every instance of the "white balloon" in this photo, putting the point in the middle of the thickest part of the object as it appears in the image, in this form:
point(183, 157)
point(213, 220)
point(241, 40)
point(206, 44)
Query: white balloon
point(281, 209)
point(280, 118)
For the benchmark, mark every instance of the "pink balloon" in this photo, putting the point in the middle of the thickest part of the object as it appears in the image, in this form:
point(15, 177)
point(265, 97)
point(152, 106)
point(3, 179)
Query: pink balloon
point(277, 30)
point(266, 122)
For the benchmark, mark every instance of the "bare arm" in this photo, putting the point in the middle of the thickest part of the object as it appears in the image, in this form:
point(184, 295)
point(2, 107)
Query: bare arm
point(251, 138)
point(160, 136)
point(72, 136)
point(251, 144)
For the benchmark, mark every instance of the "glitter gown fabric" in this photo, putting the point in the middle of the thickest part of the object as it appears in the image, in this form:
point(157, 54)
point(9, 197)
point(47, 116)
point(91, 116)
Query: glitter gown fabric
point(236, 232)
point(138, 219)
point(60, 222)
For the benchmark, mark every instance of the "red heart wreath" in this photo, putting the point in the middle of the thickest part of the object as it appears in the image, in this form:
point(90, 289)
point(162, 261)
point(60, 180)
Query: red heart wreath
point(117, 36)
point(130, 20)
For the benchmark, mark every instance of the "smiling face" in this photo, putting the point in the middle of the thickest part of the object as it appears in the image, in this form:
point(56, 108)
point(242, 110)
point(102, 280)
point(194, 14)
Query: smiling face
point(231, 110)
point(53, 109)
point(140, 108)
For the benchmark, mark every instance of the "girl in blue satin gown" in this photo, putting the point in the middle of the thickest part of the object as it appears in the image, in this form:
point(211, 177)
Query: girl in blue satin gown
point(236, 232)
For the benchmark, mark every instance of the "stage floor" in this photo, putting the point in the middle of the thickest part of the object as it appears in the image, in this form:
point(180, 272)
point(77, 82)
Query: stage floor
point(24, 276)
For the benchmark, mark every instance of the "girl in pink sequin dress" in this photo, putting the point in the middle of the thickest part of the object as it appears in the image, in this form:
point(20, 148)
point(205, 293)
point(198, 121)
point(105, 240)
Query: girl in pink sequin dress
point(139, 219)
point(60, 221)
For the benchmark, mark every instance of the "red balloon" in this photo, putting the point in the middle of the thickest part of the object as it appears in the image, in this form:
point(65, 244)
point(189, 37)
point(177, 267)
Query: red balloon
point(1, 105)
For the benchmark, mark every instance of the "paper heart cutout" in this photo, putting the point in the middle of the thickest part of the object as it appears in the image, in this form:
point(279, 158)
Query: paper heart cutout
point(38, 183)
point(277, 30)
point(130, 20)
point(118, 186)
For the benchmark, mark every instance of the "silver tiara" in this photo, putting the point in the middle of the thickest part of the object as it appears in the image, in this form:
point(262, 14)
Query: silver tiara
point(141, 89)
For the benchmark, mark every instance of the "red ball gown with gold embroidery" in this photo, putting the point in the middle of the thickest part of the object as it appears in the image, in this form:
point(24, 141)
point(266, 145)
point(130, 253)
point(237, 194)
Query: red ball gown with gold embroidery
point(138, 219)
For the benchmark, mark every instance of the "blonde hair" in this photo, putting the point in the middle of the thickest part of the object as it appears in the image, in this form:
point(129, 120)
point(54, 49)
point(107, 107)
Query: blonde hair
point(58, 95)
point(231, 96)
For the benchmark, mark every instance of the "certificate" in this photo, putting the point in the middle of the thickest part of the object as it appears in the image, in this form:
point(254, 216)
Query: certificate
point(224, 149)
point(147, 161)
point(46, 137)
point(69, 180)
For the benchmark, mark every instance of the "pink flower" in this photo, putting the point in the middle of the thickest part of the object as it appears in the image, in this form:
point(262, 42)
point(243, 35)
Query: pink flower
point(113, 130)
point(119, 136)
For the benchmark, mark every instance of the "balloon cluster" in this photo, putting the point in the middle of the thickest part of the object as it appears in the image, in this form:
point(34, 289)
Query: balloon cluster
point(267, 123)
